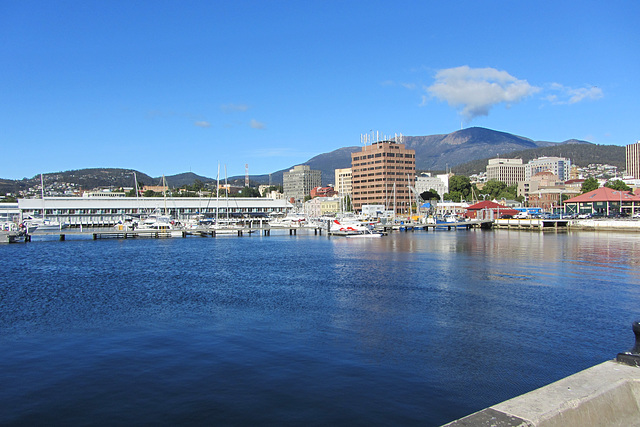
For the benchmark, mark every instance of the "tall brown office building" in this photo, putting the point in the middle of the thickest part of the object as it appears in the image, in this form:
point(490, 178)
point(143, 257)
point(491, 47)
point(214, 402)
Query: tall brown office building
point(376, 169)
point(633, 160)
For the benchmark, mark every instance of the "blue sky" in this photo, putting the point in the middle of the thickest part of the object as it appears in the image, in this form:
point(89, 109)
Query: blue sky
point(166, 87)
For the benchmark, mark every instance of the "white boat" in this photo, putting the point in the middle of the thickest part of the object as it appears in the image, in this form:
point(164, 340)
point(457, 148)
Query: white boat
point(291, 220)
point(352, 229)
point(155, 222)
point(44, 224)
point(12, 232)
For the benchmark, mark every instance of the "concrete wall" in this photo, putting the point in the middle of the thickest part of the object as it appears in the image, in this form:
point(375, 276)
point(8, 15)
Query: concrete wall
point(604, 395)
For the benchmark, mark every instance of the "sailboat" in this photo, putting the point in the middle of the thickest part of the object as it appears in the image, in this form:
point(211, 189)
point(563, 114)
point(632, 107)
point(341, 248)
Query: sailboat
point(226, 227)
point(44, 223)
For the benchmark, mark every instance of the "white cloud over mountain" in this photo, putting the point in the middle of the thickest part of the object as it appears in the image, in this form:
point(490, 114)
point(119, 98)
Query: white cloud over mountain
point(474, 91)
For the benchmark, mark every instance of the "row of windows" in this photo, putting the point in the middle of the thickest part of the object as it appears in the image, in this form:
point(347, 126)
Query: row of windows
point(137, 211)
point(384, 154)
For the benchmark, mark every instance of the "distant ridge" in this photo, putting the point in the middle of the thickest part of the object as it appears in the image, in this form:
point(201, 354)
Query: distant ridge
point(433, 153)
point(580, 153)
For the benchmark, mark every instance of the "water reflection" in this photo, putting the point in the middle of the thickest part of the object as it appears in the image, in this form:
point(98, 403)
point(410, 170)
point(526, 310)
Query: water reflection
point(413, 328)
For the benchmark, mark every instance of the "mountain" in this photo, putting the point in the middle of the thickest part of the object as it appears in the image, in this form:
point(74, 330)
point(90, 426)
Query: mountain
point(433, 153)
point(98, 177)
point(188, 178)
point(580, 153)
point(436, 152)
point(327, 163)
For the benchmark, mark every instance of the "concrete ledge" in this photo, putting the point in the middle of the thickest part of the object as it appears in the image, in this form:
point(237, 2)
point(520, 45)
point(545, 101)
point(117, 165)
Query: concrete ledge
point(604, 395)
point(606, 224)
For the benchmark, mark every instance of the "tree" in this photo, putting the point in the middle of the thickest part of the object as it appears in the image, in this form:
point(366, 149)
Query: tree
point(459, 188)
point(589, 184)
point(493, 187)
point(454, 196)
point(249, 192)
point(197, 185)
point(617, 185)
point(430, 195)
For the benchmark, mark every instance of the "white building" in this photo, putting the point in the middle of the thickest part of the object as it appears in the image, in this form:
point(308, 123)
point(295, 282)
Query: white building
point(426, 182)
point(509, 171)
point(633, 159)
point(298, 182)
point(321, 206)
point(559, 166)
point(343, 181)
point(105, 211)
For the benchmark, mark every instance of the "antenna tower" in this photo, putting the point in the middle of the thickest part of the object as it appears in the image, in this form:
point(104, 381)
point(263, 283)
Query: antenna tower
point(246, 174)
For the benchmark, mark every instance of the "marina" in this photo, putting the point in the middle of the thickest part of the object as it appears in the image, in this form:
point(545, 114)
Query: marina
point(414, 328)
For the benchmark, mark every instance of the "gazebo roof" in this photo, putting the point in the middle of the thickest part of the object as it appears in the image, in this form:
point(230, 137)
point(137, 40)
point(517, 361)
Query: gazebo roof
point(486, 204)
point(605, 194)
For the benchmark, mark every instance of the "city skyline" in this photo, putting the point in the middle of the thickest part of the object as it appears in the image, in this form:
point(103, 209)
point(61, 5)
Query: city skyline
point(176, 87)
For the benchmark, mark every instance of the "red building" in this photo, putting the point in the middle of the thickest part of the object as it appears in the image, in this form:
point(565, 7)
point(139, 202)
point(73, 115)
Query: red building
point(604, 201)
point(322, 192)
point(488, 209)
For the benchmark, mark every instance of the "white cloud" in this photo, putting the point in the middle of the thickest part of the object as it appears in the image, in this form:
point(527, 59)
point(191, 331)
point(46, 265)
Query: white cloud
point(474, 91)
point(202, 124)
point(569, 95)
point(228, 108)
point(256, 124)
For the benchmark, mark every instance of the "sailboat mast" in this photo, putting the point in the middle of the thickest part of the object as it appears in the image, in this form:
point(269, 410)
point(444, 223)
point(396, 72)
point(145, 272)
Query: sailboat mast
point(217, 193)
point(164, 193)
point(226, 191)
point(42, 192)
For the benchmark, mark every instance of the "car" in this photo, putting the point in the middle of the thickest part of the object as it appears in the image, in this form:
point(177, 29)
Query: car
point(636, 215)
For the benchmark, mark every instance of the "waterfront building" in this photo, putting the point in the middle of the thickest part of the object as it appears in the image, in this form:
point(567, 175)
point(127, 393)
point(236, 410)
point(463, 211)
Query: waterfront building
point(106, 211)
point(375, 211)
point(156, 188)
point(539, 180)
point(381, 174)
point(343, 181)
point(298, 182)
point(321, 206)
point(604, 201)
point(487, 209)
point(439, 183)
point(559, 166)
point(451, 208)
point(509, 171)
point(322, 192)
point(633, 160)
point(9, 212)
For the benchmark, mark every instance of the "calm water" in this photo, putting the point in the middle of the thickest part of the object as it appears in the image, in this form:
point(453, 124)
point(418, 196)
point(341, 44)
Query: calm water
point(415, 328)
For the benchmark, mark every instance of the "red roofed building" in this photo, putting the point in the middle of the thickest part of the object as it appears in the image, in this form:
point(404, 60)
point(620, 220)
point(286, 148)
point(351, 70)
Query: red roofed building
point(322, 192)
point(488, 210)
point(604, 201)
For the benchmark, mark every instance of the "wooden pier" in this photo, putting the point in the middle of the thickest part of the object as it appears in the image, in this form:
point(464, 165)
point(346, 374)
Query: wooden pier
point(437, 226)
point(533, 224)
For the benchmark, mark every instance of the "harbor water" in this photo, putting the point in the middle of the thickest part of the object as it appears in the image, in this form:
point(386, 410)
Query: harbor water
point(415, 328)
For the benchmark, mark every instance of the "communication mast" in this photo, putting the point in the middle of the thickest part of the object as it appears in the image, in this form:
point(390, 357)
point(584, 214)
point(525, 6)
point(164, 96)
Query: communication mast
point(246, 174)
